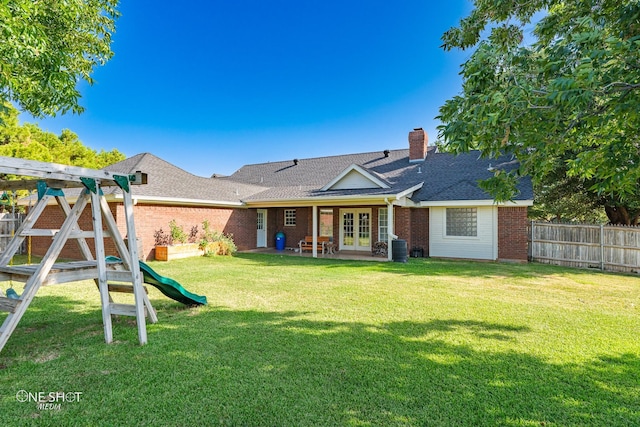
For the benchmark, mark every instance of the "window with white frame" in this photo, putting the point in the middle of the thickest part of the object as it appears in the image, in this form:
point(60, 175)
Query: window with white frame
point(326, 222)
point(462, 222)
point(383, 224)
point(289, 217)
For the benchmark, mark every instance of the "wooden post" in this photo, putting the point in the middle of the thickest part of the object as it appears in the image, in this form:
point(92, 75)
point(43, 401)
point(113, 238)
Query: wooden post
point(124, 253)
point(138, 290)
point(103, 286)
point(602, 247)
point(115, 233)
point(533, 236)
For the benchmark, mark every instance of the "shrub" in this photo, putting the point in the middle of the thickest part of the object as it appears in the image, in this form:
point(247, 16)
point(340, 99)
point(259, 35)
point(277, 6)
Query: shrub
point(177, 233)
point(211, 242)
point(193, 234)
point(161, 238)
point(215, 243)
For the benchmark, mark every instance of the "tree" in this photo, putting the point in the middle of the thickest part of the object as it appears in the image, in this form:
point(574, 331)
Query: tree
point(47, 47)
point(28, 141)
point(564, 100)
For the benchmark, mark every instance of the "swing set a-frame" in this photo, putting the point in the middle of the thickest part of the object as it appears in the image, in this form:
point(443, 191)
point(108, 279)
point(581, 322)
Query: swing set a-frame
point(51, 181)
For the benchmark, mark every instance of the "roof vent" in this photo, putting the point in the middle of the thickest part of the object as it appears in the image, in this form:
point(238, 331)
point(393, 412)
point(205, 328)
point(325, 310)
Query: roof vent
point(296, 161)
point(386, 153)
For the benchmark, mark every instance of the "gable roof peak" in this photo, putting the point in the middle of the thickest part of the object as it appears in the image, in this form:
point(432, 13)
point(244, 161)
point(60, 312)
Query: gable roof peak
point(355, 177)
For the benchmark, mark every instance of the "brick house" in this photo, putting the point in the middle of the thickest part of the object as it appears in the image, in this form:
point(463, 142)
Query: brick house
point(430, 199)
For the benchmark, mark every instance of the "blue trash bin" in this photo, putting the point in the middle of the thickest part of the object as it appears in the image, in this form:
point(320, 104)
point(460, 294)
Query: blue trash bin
point(280, 241)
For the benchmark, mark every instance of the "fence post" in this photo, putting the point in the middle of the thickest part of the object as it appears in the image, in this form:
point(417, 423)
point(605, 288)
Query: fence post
point(532, 239)
point(602, 247)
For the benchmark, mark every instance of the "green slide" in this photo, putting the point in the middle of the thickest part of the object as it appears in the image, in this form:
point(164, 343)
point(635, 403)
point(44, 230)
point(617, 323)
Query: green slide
point(167, 286)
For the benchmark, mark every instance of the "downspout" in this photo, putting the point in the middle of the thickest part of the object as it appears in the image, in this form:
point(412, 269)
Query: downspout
point(390, 229)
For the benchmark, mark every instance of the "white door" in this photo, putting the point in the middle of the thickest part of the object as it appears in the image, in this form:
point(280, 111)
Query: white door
point(261, 226)
point(355, 229)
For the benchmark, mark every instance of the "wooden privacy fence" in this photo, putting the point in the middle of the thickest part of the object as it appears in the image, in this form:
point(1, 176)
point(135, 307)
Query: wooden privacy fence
point(9, 223)
point(606, 247)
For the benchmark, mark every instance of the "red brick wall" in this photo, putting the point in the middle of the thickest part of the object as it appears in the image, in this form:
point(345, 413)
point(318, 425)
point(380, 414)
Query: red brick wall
point(52, 218)
point(402, 224)
point(374, 224)
point(411, 225)
point(512, 233)
point(150, 218)
point(241, 223)
point(293, 234)
point(420, 230)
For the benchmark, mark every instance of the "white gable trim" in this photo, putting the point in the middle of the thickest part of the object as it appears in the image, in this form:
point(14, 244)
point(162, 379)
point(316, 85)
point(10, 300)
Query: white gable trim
point(409, 191)
point(365, 176)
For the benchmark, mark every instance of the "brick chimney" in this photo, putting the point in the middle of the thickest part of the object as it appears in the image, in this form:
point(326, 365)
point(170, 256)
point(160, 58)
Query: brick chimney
point(418, 141)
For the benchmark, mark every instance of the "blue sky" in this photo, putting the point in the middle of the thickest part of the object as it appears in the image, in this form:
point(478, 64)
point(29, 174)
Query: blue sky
point(212, 85)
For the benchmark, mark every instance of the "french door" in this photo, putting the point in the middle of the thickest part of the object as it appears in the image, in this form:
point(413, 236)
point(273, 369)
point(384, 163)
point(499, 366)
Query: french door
point(355, 229)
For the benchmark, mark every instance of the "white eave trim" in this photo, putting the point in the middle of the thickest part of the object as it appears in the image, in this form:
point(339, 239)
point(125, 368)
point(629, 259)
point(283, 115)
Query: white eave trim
point(343, 200)
point(361, 171)
point(180, 201)
point(148, 200)
point(437, 203)
point(310, 201)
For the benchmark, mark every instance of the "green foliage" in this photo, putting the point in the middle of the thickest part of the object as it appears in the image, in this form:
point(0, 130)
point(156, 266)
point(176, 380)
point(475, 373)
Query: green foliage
point(177, 233)
point(211, 242)
point(48, 47)
point(216, 243)
point(564, 100)
point(28, 141)
point(557, 203)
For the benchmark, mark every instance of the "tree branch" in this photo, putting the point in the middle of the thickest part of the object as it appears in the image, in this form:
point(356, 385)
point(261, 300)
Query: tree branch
point(620, 86)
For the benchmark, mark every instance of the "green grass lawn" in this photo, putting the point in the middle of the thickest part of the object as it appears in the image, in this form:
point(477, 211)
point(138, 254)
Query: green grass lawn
point(291, 341)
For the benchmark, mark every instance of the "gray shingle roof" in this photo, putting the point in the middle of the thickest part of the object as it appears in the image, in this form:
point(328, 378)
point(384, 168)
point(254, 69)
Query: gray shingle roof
point(305, 179)
point(168, 181)
point(450, 177)
point(446, 177)
point(443, 176)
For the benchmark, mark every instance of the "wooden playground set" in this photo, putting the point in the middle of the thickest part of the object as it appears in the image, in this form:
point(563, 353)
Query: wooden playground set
point(111, 274)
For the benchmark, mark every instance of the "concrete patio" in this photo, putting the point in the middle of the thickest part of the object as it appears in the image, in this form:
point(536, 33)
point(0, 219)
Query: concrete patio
point(346, 255)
